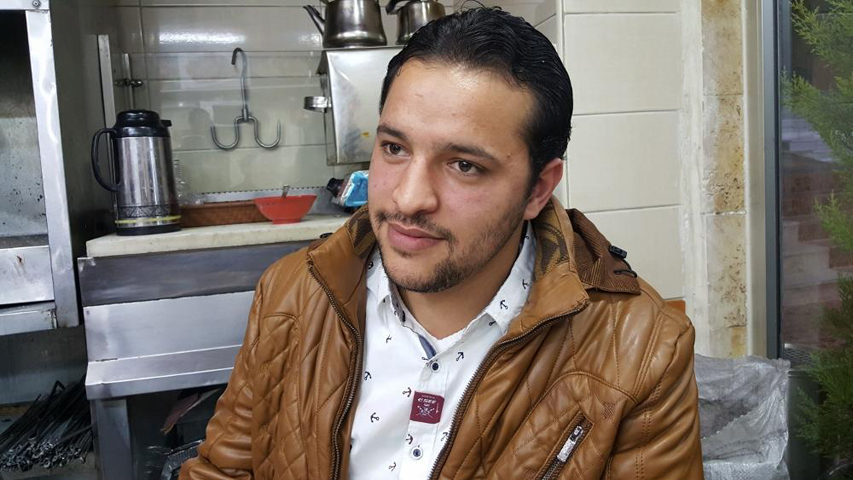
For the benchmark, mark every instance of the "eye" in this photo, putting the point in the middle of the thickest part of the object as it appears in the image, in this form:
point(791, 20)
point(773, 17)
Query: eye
point(467, 168)
point(393, 149)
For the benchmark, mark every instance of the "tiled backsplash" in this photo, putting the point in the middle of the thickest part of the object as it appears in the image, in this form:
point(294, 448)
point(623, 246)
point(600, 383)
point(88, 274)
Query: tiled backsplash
point(182, 50)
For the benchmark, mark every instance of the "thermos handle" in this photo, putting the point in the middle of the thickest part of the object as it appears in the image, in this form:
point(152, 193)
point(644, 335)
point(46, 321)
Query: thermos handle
point(95, 165)
point(390, 7)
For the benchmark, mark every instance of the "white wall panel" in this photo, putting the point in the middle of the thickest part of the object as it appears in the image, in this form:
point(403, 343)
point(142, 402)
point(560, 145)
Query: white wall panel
point(624, 63)
point(651, 237)
point(209, 65)
point(254, 168)
point(220, 29)
point(621, 161)
point(192, 105)
point(620, 6)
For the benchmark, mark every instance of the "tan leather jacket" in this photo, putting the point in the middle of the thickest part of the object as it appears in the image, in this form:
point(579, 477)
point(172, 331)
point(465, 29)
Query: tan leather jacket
point(596, 370)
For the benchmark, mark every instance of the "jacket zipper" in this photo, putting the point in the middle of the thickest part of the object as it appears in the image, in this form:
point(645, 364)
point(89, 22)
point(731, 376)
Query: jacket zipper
point(578, 432)
point(491, 356)
point(350, 398)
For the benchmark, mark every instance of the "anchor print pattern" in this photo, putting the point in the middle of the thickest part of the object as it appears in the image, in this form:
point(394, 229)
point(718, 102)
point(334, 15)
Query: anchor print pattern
point(403, 360)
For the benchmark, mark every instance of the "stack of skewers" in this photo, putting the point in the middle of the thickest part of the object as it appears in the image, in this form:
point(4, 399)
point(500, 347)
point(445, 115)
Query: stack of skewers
point(54, 431)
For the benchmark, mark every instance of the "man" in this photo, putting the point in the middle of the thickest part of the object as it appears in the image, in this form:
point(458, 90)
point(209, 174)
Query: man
point(462, 325)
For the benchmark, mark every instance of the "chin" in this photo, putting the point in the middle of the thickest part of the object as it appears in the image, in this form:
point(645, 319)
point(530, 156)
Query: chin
point(406, 271)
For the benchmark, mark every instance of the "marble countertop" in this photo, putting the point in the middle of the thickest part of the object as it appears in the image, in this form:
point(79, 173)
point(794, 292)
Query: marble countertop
point(311, 227)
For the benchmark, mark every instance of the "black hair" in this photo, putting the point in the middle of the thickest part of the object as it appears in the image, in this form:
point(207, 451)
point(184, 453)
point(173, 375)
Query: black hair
point(493, 40)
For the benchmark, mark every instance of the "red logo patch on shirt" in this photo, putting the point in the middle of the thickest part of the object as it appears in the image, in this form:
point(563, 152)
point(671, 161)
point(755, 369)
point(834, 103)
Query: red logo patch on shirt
point(426, 408)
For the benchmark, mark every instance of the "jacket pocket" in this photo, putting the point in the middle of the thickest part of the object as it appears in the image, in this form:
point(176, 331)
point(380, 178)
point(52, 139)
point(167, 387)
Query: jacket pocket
point(575, 434)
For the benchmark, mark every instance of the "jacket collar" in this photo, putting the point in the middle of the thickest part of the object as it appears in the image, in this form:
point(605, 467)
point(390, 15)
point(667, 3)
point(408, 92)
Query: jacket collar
point(572, 256)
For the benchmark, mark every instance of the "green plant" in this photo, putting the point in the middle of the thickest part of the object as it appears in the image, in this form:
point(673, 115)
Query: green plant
point(829, 34)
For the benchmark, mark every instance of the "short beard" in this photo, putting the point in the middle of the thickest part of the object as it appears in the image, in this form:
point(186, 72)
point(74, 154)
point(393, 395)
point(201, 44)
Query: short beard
point(450, 271)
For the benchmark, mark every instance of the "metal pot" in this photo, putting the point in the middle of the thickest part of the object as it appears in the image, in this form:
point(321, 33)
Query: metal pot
point(414, 15)
point(350, 23)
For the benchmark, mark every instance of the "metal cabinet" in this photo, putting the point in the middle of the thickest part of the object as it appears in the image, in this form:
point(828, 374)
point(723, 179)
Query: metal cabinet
point(49, 205)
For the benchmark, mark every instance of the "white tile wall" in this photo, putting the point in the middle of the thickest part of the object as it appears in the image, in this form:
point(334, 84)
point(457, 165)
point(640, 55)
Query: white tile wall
point(129, 30)
point(651, 237)
point(624, 63)
point(620, 6)
point(549, 28)
point(192, 105)
point(254, 168)
point(534, 12)
point(210, 65)
point(619, 161)
point(220, 29)
point(182, 49)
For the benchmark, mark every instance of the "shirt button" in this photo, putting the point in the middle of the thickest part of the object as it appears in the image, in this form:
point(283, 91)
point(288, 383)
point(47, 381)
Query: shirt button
point(435, 366)
point(417, 453)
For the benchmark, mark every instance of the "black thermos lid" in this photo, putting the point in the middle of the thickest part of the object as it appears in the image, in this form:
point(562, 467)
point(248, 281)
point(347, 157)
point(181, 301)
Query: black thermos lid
point(141, 123)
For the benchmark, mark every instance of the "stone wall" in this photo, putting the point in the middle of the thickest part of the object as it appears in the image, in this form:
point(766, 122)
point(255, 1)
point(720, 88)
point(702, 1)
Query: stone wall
point(716, 217)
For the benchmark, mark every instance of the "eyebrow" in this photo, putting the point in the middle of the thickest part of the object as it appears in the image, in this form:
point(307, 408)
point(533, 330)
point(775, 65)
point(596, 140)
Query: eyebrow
point(382, 128)
point(471, 150)
point(454, 147)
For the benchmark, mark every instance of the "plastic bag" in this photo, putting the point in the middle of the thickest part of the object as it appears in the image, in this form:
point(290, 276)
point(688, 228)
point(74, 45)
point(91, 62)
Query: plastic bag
point(743, 417)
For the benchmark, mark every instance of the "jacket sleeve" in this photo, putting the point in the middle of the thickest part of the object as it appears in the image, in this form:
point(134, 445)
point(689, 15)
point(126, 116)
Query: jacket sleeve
point(659, 438)
point(226, 452)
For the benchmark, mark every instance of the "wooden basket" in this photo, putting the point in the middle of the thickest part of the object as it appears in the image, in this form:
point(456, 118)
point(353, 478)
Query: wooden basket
point(220, 213)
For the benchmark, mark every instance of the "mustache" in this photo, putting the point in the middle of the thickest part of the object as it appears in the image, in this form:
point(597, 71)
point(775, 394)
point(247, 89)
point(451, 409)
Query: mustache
point(418, 221)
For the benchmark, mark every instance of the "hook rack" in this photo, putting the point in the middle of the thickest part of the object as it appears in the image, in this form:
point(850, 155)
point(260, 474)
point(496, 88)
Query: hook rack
point(245, 116)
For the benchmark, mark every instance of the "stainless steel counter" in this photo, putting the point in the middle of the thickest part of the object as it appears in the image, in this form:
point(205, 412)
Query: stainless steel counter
point(163, 321)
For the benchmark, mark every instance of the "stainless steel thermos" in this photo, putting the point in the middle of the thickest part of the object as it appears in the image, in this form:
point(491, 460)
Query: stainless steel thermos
point(146, 199)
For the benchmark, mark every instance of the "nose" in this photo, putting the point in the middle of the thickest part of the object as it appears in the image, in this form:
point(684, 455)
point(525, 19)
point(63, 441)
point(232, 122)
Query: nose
point(416, 193)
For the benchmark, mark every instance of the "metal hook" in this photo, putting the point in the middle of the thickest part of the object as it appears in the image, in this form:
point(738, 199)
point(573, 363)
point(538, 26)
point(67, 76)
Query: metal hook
point(245, 116)
point(258, 137)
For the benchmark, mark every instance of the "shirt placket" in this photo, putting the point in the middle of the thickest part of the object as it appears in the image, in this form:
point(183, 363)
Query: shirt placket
point(421, 444)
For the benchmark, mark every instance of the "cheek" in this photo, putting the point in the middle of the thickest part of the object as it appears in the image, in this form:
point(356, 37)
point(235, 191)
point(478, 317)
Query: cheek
point(381, 182)
point(468, 210)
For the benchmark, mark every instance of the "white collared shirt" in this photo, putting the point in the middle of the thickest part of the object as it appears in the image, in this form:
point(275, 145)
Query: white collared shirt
point(402, 361)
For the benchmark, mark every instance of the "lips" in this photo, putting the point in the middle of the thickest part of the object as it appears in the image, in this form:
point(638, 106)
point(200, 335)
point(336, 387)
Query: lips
point(410, 239)
point(412, 232)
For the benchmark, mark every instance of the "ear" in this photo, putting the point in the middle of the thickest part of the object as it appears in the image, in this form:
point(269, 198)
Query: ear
point(547, 181)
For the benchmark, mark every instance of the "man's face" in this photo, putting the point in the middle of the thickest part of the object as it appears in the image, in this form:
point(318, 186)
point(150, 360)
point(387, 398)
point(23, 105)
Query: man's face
point(449, 173)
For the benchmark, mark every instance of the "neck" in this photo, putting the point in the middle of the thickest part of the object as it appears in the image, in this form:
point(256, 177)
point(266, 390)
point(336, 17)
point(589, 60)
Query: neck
point(448, 311)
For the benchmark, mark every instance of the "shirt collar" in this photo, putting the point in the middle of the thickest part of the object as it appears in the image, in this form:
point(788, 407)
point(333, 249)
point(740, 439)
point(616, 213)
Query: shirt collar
point(506, 304)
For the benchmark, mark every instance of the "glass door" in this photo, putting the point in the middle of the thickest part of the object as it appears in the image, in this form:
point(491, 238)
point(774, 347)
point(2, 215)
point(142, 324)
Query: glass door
point(814, 168)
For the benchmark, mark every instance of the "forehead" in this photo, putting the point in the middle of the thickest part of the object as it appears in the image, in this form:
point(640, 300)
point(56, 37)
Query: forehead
point(442, 99)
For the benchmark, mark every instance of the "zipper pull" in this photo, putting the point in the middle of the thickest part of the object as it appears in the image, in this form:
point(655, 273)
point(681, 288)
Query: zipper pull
point(570, 444)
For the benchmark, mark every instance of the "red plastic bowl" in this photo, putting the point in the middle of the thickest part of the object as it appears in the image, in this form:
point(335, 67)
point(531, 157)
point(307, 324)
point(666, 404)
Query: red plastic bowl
point(288, 209)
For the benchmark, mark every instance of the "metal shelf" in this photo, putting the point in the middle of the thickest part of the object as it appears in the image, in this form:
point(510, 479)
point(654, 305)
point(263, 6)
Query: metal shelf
point(31, 317)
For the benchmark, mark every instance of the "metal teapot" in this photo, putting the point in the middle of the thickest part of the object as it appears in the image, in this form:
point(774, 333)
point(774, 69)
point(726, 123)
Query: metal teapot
point(413, 15)
point(350, 23)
